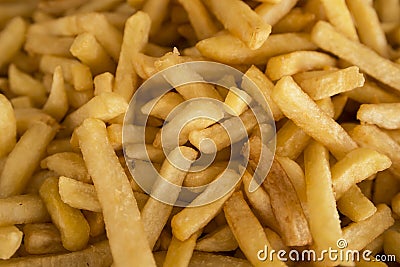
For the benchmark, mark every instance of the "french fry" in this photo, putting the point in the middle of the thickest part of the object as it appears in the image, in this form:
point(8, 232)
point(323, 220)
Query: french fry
point(86, 48)
point(271, 13)
point(155, 213)
point(369, 30)
point(11, 239)
point(325, 36)
point(138, 25)
point(23, 84)
point(37, 180)
point(206, 176)
point(21, 102)
point(396, 204)
point(339, 103)
point(123, 224)
point(161, 108)
point(180, 252)
point(359, 234)
point(382, 115)
point(57, 102)
point(355, 205)
point(388, 11)
point(292, 222)
point(69, 164)
point(47, 44)
point(157, 11)
point(26, 117)
point(275, 240)
point(78, 195)
point(236, 101)
point(199, 18)
point(194, 217)
point(12, 38)
point(22, 209)
point(248, 27)
point(292, 63)
point(222, 239)
point(247, 230)
point(95, 221)
point(321, 198)
point(236, 52)
point(42, 239)
point(391, 243)
point(95, 255)
point(114, 132)
point(77, 98)
point(31, 147)
point(8, 124)
point(291, 140)
point(372, 137)
point(386, 186)
point(294, 21)
point(103, 83)
point(287, 95)
point(356, 166)
point(339, 15)
point(333, 83)
point(151, 153)
point(371, 93)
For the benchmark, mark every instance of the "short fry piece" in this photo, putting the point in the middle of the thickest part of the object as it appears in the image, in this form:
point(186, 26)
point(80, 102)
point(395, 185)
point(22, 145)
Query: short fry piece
point(8, 126)
point(247, 230)
point(222, 239)
point(10, 240)
point(384, 115)
point(42, 238)
point(123, 223)
point(180, 252)
point(57, 102)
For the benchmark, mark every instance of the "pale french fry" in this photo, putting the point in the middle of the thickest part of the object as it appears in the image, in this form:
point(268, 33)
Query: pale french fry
point(339, 15)
point(199, 18)
point(247, 230)
point(299, 61)
point(23, 84)
point(123, 224)
point(45, 44)
point(295, 21)
point(368, 26)
point(86, 48)
point(101, 5)
point(321, 198)
point(69, 164)
point(294, 103)
point(136, 33)
point(371, 93)
point(355, 205)
point(22, 209)
point(105, 107)
point(42, 239)
point(73, 227)
point(180, 252)
point(95, 255)
point(192, 218)
point(206, 176)
point(78, 195)
point(236, 52)
point(374, 138)
point(12, 38)
point(37, 180)
point(260, 203)
point(391, 243)
point(77, 98)
point(151, 153)
point(155, 213)
point(135, 134)
point(26, 117)
point(248, 26)
point(222, 239)
point(114, 132)
point(95, 221)
point(144, 65)
point(271, 13)
point(31, 147)
point(396, 204)
point(386, 186)
point(57, 102)
point(10, 239)
point(292, 221)
point(359, 234)
point(8, 124)
point(325, 36)
point(161, 108)
point(356, 166)
point(103, 83)
point(382, 115)
point(157, 11)
point(219, 135)
point(333, 83)
point(64, 26)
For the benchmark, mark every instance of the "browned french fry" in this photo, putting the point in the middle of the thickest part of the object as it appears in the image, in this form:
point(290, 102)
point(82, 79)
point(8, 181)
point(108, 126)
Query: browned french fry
point(42, 239)
point(11, 239)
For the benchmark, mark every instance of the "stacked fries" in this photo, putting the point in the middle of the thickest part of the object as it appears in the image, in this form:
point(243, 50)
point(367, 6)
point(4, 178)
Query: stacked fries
point(329, 72)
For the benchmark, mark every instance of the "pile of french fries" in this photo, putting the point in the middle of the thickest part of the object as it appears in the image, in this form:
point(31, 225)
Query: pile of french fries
point(328, 69)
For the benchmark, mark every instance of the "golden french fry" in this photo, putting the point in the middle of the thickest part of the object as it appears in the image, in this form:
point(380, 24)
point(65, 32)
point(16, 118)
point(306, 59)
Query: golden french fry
point(78, 195)
point(396, 204)
point(57, 102)
point(382, 115)
point(42, 239)
point(356, 166)
point(12, 38)
point(222, 239)
point(247, 230)
point(161, 108)
point(386, 186)
point(151, 153)
point(294, 103)
point(355, 205)
point(339, 103)
point(73, 227)
point(114, 132)
point(95, 221)
point(10, 239)
point(325, 36)
point(299, 61)
point(294, 21)
point(371, 93)
point(103, 83)
point(123, 224)
point(236, 52)
point(180, 252)
point(8, 124)
point(206, 176)
point(31, 147)
point(272, 12)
